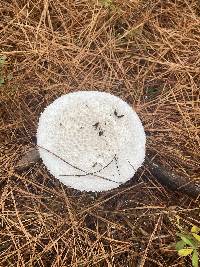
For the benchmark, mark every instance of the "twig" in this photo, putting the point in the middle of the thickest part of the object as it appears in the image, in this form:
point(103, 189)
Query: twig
point(79, 169)
point(144, 256)
point(171, 180)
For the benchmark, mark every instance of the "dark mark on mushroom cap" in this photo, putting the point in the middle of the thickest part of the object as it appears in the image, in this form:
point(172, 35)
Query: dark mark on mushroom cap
point(101, 133)
point(96, 125)
point(118, 116)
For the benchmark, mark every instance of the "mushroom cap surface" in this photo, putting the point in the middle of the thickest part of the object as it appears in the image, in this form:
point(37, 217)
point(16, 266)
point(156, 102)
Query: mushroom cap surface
point(91, 140)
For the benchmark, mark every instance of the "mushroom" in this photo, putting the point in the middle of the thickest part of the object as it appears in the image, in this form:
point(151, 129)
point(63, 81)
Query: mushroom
point(91, 140)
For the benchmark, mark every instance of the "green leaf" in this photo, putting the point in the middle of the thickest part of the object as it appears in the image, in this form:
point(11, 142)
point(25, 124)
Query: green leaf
point(185, 251)
point(10, 77)
point(195, 229)
point(2, 60)
point(2, 81)
point(187, 239)
point(197, 237)
point(107, 3)
point(180, 245)
point(195, 259)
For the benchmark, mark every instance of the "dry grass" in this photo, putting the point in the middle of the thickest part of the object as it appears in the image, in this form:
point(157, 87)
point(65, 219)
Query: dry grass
point(148, 53)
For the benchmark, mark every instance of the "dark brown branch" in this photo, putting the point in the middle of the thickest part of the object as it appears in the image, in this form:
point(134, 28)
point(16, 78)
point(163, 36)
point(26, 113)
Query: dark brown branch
point(172, 180)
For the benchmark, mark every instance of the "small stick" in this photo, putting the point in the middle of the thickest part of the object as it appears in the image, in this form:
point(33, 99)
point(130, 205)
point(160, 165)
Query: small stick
point(172, 180)
point(77, 168)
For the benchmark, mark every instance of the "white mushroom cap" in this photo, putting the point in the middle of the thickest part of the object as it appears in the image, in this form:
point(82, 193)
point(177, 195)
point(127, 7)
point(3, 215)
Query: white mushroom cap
point(91, 140)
